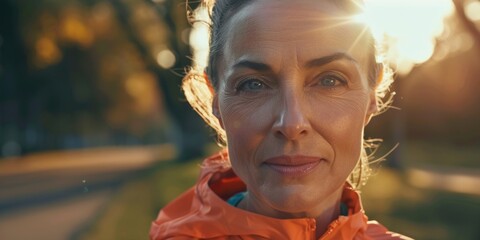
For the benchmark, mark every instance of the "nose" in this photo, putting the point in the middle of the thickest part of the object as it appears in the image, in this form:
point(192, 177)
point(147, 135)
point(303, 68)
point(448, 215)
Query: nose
point(292, 121)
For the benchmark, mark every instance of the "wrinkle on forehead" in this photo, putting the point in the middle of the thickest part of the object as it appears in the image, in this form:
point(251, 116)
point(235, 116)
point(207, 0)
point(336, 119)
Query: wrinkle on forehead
point(308, 13)
point(268, 26)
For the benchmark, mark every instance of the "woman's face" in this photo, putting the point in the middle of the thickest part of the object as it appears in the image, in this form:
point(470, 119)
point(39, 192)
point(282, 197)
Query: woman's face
point(293, 99)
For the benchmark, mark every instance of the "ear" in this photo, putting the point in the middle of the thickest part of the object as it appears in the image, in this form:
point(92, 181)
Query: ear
point(216, 109)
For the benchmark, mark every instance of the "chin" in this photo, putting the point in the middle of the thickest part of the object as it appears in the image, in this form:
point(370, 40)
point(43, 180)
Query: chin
point(293, 203)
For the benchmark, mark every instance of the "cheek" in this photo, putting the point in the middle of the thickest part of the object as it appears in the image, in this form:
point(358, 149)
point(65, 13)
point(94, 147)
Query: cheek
point(341, 122)
point(246, 123)
point(346, 117)
point(237, 113)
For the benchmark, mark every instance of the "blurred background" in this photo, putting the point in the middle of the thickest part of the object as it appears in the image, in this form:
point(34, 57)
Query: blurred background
point(96, 135)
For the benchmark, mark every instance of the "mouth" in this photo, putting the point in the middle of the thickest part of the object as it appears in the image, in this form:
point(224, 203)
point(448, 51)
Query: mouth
point(293, 166)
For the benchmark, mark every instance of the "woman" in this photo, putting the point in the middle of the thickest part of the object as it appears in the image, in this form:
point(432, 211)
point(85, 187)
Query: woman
point(293, 85)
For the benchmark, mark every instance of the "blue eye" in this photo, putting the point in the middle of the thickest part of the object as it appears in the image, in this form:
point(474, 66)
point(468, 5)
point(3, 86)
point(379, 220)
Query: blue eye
point(330, 81)
point(251, 85)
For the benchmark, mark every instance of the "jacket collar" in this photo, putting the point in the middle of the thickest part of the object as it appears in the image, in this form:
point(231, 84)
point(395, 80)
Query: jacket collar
point(218, 183)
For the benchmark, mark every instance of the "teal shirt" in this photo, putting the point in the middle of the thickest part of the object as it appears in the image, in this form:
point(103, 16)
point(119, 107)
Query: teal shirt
point(237, 198)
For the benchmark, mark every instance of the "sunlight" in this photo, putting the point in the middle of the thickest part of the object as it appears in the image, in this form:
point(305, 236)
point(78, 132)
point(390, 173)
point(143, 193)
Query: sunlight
point(408, 27)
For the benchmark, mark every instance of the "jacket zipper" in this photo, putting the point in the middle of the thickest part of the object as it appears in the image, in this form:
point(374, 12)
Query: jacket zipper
point(330, 229)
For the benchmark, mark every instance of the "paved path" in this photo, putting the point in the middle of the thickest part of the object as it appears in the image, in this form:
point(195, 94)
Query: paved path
point(52, 195)
point(56, 220)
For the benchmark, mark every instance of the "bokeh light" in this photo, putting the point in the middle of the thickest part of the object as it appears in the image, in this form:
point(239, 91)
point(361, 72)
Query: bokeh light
point(472, 10)
point(47, 51)
point(166, 59)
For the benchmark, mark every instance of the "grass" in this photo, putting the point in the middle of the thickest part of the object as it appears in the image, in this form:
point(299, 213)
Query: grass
point(388, 198)
point(420, 213)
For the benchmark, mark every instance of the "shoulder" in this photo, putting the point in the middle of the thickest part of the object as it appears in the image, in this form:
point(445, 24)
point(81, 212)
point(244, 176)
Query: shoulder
point(200, 212)
point(376, 231)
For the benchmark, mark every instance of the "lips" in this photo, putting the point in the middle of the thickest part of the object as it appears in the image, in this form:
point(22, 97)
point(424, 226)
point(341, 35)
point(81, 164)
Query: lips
point(293, 166)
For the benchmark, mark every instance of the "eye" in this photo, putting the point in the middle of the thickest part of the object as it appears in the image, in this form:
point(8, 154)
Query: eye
point(331, 81)
point(250, 85)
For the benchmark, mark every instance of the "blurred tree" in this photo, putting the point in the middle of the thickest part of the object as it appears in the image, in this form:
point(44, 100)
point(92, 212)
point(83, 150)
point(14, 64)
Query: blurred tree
point(89, 73)
point(13, 101)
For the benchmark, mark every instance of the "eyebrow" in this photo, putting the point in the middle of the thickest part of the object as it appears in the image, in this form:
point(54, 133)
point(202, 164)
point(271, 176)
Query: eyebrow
point(330, 58)
point(262, 67)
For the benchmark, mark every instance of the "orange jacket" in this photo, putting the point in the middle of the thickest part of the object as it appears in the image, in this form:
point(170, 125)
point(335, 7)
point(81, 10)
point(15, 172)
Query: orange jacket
point(203, 213)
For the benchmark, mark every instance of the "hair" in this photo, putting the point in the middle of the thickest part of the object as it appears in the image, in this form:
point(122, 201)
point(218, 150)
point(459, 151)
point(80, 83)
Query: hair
point(200, 83)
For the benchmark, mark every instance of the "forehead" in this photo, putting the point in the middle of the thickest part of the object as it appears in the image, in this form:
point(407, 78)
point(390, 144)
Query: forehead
point(306, 29)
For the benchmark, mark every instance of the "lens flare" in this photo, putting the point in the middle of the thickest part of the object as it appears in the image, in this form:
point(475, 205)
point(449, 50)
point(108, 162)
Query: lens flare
point(407, 27)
